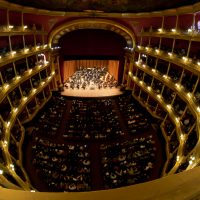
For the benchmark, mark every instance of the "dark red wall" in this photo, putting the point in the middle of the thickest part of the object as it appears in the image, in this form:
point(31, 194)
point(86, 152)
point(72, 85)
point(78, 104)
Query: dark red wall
point(92, 43)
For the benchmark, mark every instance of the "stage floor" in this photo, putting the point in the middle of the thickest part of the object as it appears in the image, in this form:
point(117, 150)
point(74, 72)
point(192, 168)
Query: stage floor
point(103, 92)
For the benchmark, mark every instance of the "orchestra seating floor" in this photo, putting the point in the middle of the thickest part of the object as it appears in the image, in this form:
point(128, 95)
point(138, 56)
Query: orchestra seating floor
point(97, 181)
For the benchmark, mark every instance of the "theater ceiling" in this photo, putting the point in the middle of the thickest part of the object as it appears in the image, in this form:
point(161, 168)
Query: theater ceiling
point(109, 6)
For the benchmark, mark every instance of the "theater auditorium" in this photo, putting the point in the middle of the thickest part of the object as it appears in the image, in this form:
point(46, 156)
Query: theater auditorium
point(99, 99)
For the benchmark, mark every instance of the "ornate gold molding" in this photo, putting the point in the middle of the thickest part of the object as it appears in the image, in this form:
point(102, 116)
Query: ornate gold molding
point(90, 23)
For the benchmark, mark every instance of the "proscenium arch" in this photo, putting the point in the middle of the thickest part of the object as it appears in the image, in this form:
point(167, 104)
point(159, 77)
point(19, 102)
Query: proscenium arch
point(110, 25)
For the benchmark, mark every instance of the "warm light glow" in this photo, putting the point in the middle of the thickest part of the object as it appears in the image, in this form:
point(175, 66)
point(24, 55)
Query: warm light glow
point(178, 85)
point(8, 124)
point(190, 162)
point(141, 82)
point(159, 96)
point(182, 137)
point(177, 119)
point(160, 30)
point(138, 46)
point(189, 94)
point(149, 88)
point(32, 191)
point(144, 65)
point(18, 77)
point(30, 70)
point(34, 90)
point(189, 30)
point(25, 27)
point(157, 51)
point(177, 158)
point(13, 53)
point(5, 143)
point(170, 53)
point(10, 26)
point(15, 110)
point(128, 73)
point(1, 171)
point(153, 70)
point(198, 63)
point(134, 77)
point(173, 30)
point(165, 76)
point(147, 48)
point(6, 86)
point(26, 50)
point(42, 83)
point(192, 158)
point(12, 167)
point(169, 106)
point(185, 59)
point(25, 98)
point(53, 73)
point(0, 57)
point(45, 45)
point(198, 109)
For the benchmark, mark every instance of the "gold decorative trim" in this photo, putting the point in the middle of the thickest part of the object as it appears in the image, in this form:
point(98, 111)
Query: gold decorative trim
point(89, 23)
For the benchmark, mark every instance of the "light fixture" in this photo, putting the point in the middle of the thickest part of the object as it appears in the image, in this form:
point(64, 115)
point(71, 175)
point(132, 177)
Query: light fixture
point(24, 98)
point(160, 30)
point(170, 53)
point(165, 76)
point(185, 59)
point(149, 88)
point(177, 119)
point(178, 85)
point(189, 94)
point(173, 30)
point(182, 137)
point(26, 50)
point(169, 106)
point(5, 143)
point(15, 110)
point(10, 26)
point(6, 86)
point(25, 27)
point(8, 124)
point(13, 53)
point(18, 77)
point(1, 171)
point(159, 96)
point(177, 158)
point(157, 51)
point(34, 90)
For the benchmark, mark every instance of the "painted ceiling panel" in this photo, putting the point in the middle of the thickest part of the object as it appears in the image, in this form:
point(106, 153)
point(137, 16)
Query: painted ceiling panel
point(110, 6)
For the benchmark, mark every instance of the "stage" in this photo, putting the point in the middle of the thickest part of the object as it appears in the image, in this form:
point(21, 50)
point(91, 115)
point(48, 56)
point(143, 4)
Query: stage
point(92, 92)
